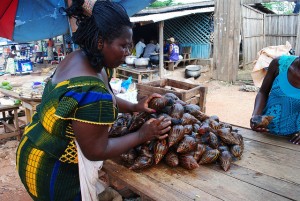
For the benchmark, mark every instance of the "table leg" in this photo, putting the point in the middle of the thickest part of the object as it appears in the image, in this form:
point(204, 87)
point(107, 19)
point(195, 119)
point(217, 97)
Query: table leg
point(4, 118)
point(115, 73)
point(150, 77)
point(27, 114)
point(16, 123)
point(171, 66)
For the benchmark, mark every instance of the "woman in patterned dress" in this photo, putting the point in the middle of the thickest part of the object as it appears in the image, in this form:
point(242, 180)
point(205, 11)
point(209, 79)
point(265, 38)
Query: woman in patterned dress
point(78, 107)
point(279, 96)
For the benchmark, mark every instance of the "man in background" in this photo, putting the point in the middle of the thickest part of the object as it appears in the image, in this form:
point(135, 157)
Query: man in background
point(50, 50)
point(139, 48)
point(149, 49)
point(38, 52)
point(173, 54)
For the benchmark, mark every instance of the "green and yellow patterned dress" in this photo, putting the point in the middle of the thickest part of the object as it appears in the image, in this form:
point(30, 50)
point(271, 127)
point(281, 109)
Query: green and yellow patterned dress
point(47, 156)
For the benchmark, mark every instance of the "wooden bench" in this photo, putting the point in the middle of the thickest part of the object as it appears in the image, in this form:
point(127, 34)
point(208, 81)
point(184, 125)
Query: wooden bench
point(269, 170)
point(171, 65)
point(134, 72)
point(10, 130)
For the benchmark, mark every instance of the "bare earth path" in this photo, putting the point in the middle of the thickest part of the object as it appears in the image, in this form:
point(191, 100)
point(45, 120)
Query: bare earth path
point(224, 100)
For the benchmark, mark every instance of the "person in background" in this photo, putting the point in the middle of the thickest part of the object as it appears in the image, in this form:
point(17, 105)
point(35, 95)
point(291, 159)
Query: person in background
point(173, 54)
point(69, 48)
point(149, 49)
point(10, 65)
point(38, 52)
point(70, 128)
point(50, 50)
point(13, 52)
point(166, 47)
point(279, 97)
point(61, 49)
point(139, 48)
point(157, 46)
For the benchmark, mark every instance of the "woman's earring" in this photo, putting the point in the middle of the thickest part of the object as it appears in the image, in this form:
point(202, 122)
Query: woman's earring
point(100, 44)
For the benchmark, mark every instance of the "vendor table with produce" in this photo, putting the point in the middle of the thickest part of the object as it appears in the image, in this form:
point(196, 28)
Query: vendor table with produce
point(29, 103)
point(268, 170)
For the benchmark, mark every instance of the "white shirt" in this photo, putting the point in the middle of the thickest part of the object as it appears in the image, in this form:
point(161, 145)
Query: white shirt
point(139, 48)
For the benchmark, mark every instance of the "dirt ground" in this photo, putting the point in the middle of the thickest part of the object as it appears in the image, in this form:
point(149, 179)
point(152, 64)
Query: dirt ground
point(223, 99)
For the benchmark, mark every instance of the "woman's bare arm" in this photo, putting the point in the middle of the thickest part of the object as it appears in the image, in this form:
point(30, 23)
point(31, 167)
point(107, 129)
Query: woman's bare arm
point(263, 94)
point(95, 144)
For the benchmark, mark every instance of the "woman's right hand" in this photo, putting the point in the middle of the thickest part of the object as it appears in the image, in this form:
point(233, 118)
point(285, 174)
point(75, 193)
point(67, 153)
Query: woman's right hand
point(253, 124)
point(155, 128)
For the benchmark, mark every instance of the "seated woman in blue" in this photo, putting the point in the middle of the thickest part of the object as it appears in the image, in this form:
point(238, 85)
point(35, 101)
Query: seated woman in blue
point(279, 96)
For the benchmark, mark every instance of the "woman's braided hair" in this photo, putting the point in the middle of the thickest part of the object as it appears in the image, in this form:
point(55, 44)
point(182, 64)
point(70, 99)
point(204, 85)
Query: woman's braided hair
point(107, 23)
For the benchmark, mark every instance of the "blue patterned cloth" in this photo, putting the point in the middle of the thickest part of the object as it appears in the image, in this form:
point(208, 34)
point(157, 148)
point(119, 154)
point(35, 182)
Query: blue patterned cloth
point(284, 102)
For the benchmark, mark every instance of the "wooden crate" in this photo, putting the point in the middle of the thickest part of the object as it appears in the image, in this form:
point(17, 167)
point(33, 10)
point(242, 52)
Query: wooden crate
point(189, 93)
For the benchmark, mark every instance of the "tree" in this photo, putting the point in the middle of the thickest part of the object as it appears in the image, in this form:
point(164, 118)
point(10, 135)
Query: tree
point(280, 7)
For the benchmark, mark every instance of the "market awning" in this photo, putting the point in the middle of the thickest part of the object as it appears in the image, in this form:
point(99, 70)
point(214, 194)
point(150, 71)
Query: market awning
point(170, 15)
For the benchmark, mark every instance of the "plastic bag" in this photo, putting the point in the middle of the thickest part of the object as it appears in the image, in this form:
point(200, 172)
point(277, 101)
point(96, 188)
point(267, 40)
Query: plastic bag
point(115, 84)
point(126, 83)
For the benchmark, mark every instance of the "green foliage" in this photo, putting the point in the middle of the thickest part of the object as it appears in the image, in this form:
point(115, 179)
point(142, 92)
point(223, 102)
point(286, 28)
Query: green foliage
point(280, 7)
point(158, 4)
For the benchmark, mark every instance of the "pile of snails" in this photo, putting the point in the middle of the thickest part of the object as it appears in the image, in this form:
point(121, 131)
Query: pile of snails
point(194, 139)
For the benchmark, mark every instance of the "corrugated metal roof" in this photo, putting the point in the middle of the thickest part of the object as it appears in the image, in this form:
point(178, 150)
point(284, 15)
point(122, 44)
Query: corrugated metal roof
point(174, 8)
point(170, 15)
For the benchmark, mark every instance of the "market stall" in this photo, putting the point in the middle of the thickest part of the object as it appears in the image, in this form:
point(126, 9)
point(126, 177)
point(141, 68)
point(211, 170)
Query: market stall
point(268, 170)
point(29, 94)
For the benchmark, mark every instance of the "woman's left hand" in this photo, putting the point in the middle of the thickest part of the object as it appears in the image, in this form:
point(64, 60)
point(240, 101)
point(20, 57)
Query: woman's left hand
point(142, 106)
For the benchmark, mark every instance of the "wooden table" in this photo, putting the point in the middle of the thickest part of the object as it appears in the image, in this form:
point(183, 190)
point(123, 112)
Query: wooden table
point(28, 104)
point(129, 71)
point(269, 170)
point(10, 130)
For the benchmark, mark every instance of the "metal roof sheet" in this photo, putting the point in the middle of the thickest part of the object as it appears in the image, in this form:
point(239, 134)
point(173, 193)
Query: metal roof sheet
point(170, 15)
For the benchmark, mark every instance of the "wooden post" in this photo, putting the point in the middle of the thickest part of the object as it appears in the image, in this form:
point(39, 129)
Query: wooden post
point(161, 48)
point(227, 23)
point(297, 48)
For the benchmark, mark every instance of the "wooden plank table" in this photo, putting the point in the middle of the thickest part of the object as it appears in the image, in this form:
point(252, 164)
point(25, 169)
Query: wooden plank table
point(269, 170)
point(28, 104)
point(129, 71)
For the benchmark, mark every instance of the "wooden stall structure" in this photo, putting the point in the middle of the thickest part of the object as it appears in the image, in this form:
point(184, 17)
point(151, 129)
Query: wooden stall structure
point(253, 38)
point(270, 30)
point(189, 93)
point(282, 28)
point(190, 25)
point(269, 170)
point(258, 30)
point(227, 23)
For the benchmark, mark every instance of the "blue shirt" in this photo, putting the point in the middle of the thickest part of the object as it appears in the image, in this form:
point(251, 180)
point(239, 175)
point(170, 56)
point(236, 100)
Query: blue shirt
point(284, 102)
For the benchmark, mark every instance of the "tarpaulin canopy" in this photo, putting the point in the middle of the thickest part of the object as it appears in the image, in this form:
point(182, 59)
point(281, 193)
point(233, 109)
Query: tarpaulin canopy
point(25, 20)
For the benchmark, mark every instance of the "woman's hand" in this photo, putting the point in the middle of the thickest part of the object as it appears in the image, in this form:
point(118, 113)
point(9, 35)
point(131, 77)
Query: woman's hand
point(142, 106)
point(155, 128)
point(253, 124)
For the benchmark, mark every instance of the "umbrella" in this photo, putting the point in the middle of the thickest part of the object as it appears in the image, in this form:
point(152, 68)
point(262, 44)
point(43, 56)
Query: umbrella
point(29, 20)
